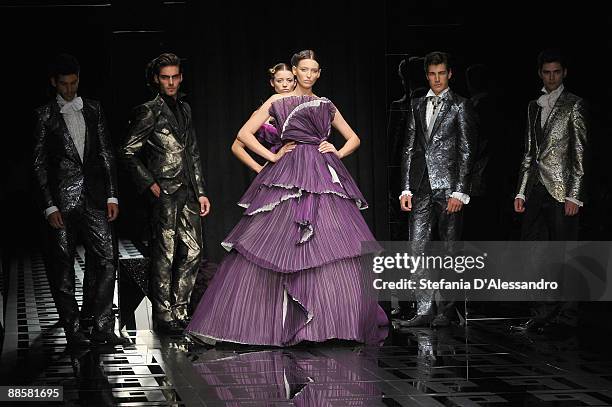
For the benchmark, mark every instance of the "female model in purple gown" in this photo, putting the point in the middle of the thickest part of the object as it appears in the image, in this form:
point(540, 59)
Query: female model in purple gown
point(293, 270)
point(282, 81)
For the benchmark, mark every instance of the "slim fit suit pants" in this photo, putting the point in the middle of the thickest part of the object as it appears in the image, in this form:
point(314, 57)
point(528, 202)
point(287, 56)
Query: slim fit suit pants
point(175, 252)
point(92, 226)
point(428, 217)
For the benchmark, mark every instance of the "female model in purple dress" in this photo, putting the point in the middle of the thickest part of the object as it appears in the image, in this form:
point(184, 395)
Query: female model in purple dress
point(293, 272)
point(283, 81)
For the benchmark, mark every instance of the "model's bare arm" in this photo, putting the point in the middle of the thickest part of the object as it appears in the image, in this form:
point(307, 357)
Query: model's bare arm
point(352, 140)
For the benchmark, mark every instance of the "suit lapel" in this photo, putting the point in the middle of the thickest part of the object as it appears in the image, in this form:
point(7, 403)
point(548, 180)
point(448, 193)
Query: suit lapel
point(63, 128)
point(423, 117)
point(534, 108)
point(533, 113)
point(551, 117)
point(90, 129)
point(170, 117)
point(186, 121)
point(443, 110)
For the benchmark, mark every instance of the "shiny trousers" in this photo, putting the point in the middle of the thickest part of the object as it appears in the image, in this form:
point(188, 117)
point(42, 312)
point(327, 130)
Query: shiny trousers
point(175, 251)
point(429, 218)
point(92, 226)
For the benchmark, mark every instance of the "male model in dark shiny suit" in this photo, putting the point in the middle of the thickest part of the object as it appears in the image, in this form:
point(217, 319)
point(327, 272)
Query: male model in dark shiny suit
point(75, 171)
point(551, 185)
point(437, 161)
point(161, 152)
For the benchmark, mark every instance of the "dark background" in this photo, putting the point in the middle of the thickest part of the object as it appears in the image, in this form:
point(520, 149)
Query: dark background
point(507, 37)
point(227, 48)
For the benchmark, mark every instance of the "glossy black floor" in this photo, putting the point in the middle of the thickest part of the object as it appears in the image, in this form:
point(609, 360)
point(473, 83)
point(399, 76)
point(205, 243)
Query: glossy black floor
point(481, 365)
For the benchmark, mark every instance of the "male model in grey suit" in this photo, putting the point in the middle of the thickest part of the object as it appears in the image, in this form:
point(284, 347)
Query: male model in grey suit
point(161, 152)
point(551, 186)
point(437, 161)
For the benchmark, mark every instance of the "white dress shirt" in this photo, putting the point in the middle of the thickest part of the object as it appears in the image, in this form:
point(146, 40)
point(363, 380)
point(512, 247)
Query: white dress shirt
point(547, 103)
point(429, 112)
point(75, 122)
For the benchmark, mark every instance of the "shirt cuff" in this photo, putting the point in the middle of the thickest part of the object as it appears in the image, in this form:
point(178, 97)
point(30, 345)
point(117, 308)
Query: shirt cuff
point(405, 193)
point(112, 200)
point(50, 210)
point(464, 198)
point(520, 196)
point(577, 202)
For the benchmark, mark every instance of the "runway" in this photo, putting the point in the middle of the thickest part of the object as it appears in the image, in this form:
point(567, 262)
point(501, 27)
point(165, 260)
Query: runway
point(481, 365)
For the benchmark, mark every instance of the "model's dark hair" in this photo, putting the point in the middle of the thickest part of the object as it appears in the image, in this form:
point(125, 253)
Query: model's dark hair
point(155, 66)
point(64, 64)
point(281, 66)
point(551, 55)
point(437, 58)
point(305, 54)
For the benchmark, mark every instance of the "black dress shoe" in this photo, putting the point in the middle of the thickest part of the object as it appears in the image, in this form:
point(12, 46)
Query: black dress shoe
point(168, 327)
point(77, 339)
point(532, 325)
point(108, 338)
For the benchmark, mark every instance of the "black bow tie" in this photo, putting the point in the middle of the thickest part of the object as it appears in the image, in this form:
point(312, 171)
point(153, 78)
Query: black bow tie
point(435, 101)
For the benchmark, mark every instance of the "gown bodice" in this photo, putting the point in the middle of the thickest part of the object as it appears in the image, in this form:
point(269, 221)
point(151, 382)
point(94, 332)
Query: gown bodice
point(303, 119)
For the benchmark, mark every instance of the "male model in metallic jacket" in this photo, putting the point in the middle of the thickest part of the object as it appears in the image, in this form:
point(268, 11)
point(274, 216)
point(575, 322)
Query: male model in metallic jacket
point(551, 179)
point(436, 166)
point(75, 171)
point(551, 184)
point(161, 152)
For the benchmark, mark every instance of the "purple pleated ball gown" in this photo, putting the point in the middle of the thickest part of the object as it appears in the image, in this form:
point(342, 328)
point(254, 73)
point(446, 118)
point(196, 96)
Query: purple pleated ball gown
point(293, 269)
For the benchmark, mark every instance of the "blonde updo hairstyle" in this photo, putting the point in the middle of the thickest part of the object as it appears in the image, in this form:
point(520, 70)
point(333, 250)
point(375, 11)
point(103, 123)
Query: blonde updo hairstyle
point(281, 66)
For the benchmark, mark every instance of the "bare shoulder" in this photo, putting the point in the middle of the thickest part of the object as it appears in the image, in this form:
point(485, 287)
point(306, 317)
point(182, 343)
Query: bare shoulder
point(266, 105)
point(276, 97)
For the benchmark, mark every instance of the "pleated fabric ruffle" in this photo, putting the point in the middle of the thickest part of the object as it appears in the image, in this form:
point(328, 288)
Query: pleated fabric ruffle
point(271, 238)
point(303, 169)
point(257, 306)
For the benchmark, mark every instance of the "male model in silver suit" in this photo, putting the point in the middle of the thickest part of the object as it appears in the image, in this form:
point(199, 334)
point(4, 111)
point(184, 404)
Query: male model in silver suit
point(437, 160)
point(74, 169)
point(551, 184)
point(161, 152)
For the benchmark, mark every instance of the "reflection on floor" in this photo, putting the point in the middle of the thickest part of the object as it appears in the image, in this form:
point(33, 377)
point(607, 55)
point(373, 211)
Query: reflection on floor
point(479, 366)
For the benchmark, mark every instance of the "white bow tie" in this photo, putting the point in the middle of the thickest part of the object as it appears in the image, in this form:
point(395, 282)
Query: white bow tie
point(74, 105)
point(548, 99)
point(545, 100)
